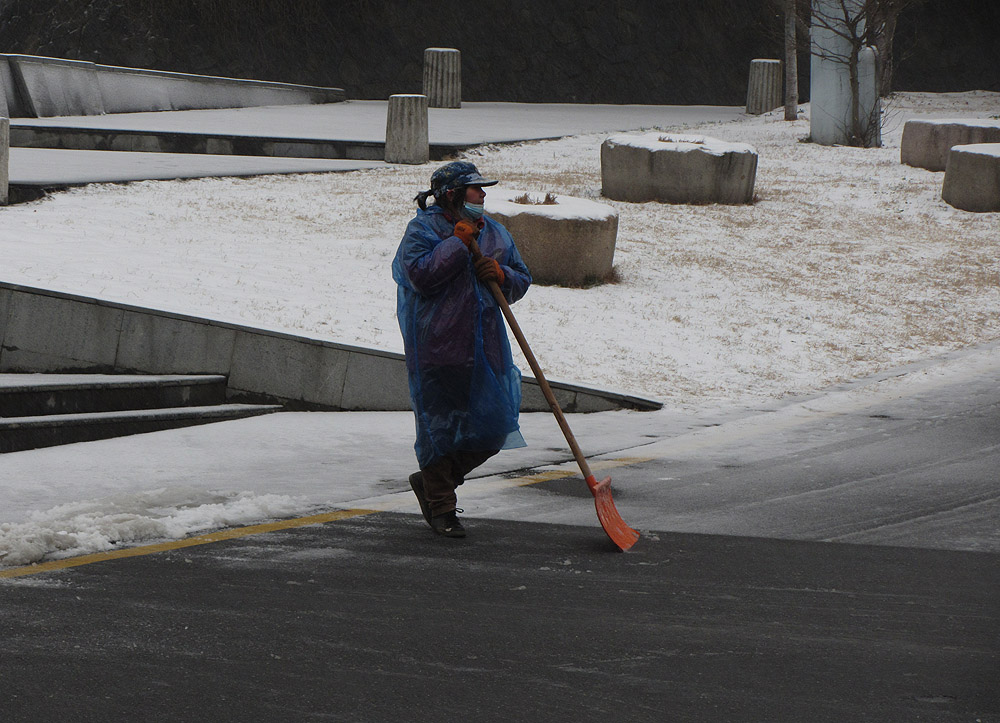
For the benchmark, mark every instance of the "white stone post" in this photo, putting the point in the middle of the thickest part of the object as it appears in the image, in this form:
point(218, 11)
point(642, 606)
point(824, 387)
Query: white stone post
point(764, 87)
point(406, 138)
point(871, 102)
point(831, 120)
point(443, 77)
point(4, 160)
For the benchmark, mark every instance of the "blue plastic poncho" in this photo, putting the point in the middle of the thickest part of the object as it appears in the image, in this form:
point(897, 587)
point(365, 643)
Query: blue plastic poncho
point(464, 387)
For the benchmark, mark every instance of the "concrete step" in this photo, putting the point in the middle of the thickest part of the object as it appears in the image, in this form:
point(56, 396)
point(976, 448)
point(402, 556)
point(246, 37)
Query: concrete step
point(47, 430)
point(27, 395)
point(24, 134)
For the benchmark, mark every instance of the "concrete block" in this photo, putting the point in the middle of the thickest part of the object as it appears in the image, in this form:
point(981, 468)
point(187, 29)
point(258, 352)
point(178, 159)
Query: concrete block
point(219, 146)
point(764, 86)
point(376, 383)
point(146, 143)
point(294, 149)
point(113, 142)
point(677, 169)
point(4, 160)
point(443, 77)
point(362, 151)
point(81, 141)
point(406, 134)
point(56, 87)
point(569, 242)
point(166, 345)
point(51, 334)
point(972, 178)
point(288, 368)
point(926, 143)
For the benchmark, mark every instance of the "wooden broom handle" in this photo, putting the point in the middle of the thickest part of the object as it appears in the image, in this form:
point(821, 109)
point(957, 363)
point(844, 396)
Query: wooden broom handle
point(535, 368)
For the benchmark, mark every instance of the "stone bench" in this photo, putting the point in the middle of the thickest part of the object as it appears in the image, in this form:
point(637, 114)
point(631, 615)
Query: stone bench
point(677, 169)
point(972, 177)
point(926, 143)
point(570, 242)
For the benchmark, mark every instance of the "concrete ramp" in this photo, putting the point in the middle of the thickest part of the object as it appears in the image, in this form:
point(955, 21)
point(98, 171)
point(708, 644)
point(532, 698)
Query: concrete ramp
point(49, 87)
point(40, 87)
point(43, 331)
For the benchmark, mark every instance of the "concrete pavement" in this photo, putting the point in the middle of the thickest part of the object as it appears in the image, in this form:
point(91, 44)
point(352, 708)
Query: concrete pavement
point(293, 139)
point(364, 120)
point(50, 167)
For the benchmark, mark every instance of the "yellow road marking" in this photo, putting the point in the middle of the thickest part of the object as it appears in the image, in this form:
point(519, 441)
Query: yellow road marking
point(229, 534)
point(545, 477)
point(598, 465)
point(237, 532)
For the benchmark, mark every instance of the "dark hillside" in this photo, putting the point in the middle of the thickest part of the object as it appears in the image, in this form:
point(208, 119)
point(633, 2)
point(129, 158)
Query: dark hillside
point(595, 51)
point(949, 45)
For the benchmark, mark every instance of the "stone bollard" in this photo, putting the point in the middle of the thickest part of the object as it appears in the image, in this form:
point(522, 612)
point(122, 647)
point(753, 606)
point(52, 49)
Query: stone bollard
point(4, 160)
point(406, 139)
point(443, 77)
point(764, 87)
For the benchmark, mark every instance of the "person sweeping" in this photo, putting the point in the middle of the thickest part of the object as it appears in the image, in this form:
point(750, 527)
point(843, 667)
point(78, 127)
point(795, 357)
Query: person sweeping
point(464, 387)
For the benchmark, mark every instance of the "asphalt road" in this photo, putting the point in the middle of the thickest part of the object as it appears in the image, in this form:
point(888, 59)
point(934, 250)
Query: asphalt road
point(374, 619)
point(833, 560)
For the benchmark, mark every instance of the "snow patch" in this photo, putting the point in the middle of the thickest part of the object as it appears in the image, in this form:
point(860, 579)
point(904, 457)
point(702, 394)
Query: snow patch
point(981, 149)
point(565, 207)
point(680, 142)
point(98, 525)
point(971, 122)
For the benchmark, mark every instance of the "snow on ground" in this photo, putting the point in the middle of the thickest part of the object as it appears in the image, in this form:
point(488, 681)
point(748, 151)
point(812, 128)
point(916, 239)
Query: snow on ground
point(847, 263)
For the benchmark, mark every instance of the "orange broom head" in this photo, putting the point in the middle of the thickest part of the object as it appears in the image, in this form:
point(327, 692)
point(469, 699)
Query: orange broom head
point(619, 532)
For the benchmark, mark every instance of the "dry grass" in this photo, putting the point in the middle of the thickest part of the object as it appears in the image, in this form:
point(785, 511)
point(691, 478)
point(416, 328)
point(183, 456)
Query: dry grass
point(530, 200)
point(848, 263)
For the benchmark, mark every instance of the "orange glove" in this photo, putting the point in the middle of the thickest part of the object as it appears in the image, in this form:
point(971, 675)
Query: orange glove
point(466, 230)
point(488, 269)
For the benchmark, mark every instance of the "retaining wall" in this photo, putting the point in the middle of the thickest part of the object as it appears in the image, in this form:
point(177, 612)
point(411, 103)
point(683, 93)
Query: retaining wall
point(39, 87)
point(49, 331)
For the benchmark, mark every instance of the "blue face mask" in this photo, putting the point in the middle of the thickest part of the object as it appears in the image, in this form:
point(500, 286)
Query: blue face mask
point(474, 210)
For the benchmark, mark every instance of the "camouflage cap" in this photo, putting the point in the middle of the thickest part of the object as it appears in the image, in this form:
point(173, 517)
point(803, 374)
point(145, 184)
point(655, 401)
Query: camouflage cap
point(456, 175)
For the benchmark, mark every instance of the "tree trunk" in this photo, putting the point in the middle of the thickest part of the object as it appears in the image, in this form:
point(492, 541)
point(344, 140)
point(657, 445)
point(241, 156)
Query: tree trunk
point(857, 127)
point(791, 63)
point(885, 16)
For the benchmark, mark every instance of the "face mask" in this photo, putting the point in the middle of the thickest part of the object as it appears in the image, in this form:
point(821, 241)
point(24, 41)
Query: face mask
point(474, 210)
